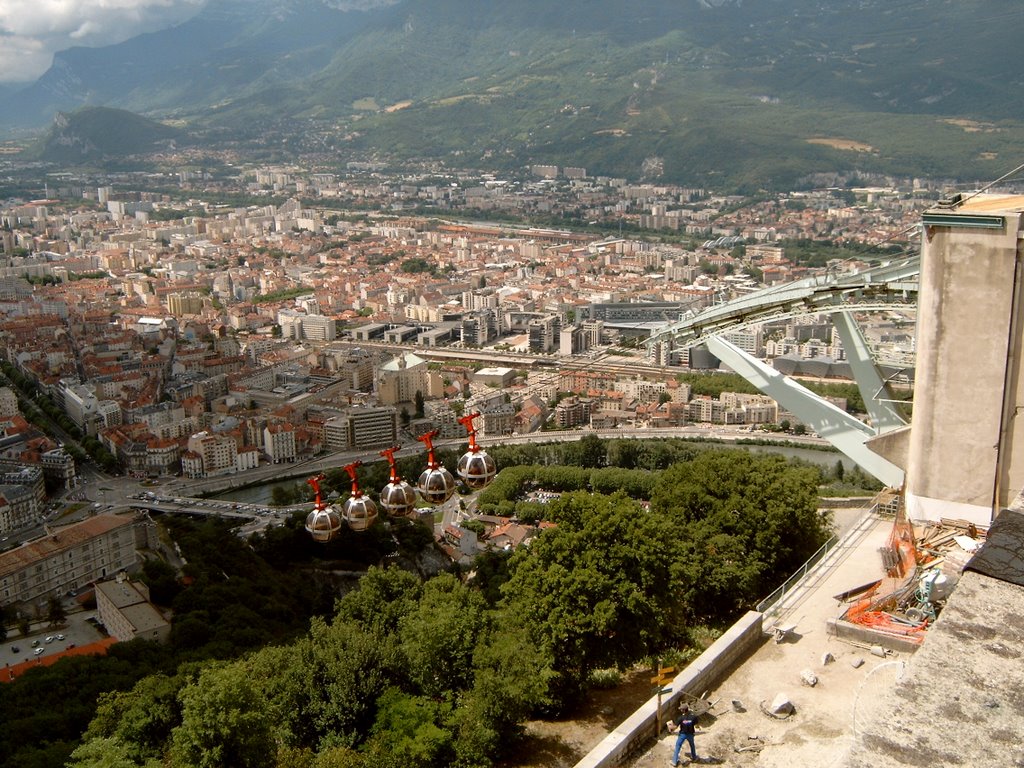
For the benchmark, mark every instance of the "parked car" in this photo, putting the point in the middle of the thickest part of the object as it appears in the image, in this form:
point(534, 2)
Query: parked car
point(37, 651)
point(15, 649)
point(59, 637)
point(49, 639)
point(35, 643)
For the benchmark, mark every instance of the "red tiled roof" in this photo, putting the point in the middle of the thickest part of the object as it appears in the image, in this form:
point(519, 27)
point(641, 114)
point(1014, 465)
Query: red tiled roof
point(61, 539)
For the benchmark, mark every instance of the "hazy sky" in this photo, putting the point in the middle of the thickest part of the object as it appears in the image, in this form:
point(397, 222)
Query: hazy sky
point(31, 31)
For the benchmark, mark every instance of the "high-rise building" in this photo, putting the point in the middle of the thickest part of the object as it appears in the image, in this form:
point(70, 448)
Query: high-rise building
point(373, 427)
point(319, 328)
point(179, 304)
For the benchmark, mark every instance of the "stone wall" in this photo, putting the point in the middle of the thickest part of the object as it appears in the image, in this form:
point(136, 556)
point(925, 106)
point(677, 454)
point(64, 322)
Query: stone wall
point(699, 676)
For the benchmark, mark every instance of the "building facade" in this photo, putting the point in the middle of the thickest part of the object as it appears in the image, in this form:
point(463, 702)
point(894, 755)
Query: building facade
point(125, 611)
point(70, 558)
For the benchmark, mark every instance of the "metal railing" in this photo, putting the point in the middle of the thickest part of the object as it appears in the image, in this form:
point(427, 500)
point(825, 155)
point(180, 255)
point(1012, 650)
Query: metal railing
point(787, 587)
point(883, 504)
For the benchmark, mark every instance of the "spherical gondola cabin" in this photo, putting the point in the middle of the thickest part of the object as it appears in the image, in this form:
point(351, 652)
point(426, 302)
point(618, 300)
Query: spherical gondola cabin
point(323, 523)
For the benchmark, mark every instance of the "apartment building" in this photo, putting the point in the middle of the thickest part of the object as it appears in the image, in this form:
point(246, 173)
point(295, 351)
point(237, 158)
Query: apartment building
point(179, 304)
point(373, 427)
point(8, 402)
point(573, 412)
point(319, 328)
point(279, 442)
point(71, 557)
point(125, 611)
point(401, 378)
point(217, 454)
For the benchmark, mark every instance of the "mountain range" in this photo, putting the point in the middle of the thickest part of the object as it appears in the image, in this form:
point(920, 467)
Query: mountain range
point(747, 93)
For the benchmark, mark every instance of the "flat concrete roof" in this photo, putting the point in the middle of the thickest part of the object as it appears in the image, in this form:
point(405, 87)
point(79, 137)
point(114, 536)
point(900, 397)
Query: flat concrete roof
point(960, 698)
point(957, 700)
point(991, 203)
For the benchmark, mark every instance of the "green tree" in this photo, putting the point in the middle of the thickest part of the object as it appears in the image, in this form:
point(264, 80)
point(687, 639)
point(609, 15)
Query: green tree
point(594, 591)
point(162, 580)
point(141, 719)
point(408, 729)
point(105, 753)
point(338, 757)
point(590, 452)
point(344, 671)
point(55, 613)
point(439, 635)
point(419, 404)
point(385, 596)
point(224, 723)
point(745, 520)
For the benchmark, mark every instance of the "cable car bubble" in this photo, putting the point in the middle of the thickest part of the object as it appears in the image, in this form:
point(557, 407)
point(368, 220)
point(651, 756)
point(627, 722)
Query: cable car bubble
point(436, 484)
point(398, 498)
point(323, 523)
point(359, 511)
point(476, 468)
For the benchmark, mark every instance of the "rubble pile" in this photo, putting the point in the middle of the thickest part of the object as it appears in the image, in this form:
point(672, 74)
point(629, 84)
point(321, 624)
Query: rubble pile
point(923, 564)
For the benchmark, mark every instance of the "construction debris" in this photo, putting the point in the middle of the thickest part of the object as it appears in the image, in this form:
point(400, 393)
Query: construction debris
point(757, 746)
point(827, 659)
point(922, 564)
point(807, 677)
point(857, 663)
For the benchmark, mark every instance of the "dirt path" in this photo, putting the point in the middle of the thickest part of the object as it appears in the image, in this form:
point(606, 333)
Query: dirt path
point(562, 743)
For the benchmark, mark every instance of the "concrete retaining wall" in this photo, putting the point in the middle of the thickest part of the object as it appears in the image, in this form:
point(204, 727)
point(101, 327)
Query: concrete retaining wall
point(698, 677)
point(845, 630)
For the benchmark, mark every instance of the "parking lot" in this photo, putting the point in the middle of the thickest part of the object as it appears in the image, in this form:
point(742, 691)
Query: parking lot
point(77, 630)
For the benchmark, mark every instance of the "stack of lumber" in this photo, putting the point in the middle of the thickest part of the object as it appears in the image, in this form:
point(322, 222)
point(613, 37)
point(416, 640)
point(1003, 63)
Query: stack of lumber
point(942, 544)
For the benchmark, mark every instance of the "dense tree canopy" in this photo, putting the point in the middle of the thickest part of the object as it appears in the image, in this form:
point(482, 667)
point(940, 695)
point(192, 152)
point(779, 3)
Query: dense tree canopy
point(746, 520)
point(269, 667)
point(596, 591)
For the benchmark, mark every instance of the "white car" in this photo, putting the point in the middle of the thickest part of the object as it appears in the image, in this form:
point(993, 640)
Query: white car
point(37, 651)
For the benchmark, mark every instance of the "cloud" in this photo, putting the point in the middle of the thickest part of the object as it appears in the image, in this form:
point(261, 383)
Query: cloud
point(31, 31)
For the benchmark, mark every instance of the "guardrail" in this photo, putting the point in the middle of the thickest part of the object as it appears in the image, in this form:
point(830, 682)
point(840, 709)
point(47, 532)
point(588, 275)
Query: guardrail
point(882, 505)
point(776, 597)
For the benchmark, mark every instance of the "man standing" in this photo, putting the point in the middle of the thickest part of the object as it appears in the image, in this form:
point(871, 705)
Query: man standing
point(686, 723)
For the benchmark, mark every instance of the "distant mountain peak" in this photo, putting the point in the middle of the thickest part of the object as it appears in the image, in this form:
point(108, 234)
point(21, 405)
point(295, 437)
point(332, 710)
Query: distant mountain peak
point(94, 133)
point(761, 92)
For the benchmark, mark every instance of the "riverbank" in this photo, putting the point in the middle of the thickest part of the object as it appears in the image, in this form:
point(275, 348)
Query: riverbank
point(259, 490)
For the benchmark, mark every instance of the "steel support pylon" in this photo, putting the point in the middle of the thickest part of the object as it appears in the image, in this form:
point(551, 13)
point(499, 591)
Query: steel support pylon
point(839, 428)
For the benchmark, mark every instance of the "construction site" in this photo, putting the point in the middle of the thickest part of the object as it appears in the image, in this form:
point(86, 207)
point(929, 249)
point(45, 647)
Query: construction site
point(899, 644)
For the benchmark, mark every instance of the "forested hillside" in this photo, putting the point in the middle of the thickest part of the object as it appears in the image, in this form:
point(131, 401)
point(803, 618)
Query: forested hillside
point(263, 670)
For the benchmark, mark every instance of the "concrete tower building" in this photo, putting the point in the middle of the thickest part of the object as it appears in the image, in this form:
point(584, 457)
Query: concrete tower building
point(966, 447)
